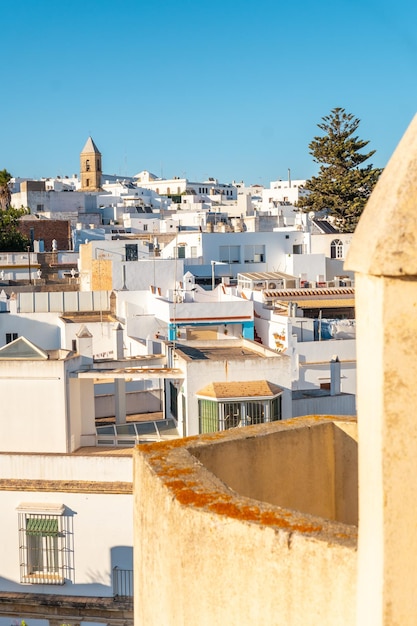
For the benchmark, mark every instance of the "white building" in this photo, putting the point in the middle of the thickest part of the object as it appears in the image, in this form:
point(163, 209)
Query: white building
point(41, 197)
point(178, 186)
point(233, 252)
point(316, 328)
point(283, 191)
point(57, 493)
point(226, 384)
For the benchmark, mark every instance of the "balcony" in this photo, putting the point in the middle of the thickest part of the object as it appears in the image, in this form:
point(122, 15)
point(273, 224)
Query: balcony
point(122, 582)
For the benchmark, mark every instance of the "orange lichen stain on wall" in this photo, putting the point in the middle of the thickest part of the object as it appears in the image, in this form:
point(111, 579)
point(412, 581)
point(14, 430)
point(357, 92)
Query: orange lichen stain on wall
point(180, 484)
point(158, 446)
point(232, 510)
point(343, 536)
point(195, 498)
point(181, 442)
point(223, 504)
point(270, 518)
point(175, 471)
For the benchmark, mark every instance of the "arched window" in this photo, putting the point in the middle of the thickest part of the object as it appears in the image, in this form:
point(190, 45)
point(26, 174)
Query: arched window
point(87, 165)
point(336, 249)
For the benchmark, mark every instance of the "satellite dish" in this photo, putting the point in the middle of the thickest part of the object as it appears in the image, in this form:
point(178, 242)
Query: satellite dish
point(311, 215)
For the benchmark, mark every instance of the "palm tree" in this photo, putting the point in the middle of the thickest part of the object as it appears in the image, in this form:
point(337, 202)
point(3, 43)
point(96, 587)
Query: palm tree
point(5, 194)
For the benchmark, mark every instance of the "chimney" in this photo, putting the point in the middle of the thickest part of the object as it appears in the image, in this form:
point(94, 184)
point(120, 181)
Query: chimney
point(119, 341)
point(113, 303)
point(85, 343)
point(335, 376)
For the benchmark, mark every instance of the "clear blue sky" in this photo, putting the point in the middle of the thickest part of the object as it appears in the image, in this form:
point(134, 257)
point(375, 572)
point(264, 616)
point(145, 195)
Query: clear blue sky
point(228, 88)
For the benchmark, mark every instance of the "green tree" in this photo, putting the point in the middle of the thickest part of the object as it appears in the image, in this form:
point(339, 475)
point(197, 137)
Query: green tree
point(5, 194)
point(341, 187)
point(11, 239)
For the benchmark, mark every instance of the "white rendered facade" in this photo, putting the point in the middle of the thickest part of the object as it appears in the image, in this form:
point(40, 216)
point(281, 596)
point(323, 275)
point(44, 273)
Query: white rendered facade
point(54, 500)
point(259, 364)
point(283, 191)
point(177, 186)
point(239, 251)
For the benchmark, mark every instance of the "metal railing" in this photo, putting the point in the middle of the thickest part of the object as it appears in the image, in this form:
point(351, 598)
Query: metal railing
point(122, 580)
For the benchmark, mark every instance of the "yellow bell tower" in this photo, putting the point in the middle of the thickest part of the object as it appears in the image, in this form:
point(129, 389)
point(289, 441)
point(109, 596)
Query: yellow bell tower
point(90, 167)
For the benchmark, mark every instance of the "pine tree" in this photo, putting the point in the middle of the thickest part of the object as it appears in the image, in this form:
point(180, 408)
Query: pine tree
point(341, 187)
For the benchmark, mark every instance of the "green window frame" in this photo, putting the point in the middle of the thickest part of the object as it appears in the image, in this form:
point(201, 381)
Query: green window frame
point(208, 413)
point(215, 416)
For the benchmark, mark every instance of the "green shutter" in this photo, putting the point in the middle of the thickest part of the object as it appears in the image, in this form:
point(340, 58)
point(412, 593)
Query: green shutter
point(209, 416)
point(41, 527)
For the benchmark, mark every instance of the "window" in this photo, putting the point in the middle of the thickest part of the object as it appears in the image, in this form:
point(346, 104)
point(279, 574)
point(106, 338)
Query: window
point(229, 254)
point(87, 182)
point(255, 254)
point(145, 227)
point(131, 250)
point(44, 544)
point(173, 400)
point(87, 165)
point(215, 416)
point(39, 207)
point(336, 249)
point(180, 252)
point(11, 337)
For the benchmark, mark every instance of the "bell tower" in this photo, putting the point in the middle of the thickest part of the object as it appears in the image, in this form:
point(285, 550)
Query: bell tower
point(90, 167)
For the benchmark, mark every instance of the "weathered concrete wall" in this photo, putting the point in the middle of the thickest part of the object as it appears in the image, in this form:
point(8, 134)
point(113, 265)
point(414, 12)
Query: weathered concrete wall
point(298, 468)
point(207, 555)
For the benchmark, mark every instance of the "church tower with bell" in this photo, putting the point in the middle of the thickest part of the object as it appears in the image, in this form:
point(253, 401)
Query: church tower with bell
point(90, 167)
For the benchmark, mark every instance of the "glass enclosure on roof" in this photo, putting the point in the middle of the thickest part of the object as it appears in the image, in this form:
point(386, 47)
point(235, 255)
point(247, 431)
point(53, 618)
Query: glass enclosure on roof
point(215, 415)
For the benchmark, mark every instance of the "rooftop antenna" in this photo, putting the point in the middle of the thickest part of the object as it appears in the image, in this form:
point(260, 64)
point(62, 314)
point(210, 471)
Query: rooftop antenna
point(289, 177)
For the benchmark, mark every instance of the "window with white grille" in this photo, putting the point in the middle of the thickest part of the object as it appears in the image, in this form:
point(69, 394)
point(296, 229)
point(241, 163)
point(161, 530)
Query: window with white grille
point(45, 544)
